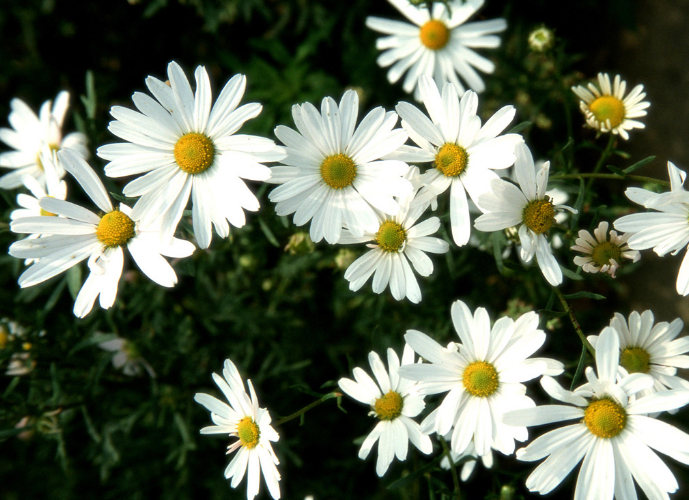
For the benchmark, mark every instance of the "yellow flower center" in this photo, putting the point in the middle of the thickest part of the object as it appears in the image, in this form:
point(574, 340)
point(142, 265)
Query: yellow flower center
point(115, 229)
point(338, 171)
point(607, 108)
point(451, 160)
point(635, 360)
point(539, 215)
point(605, 418)
point(194, 153)
point(389, 406)
point(480, 379)
point(248, 432)
point(604, 252)
point(434, 34)
point(390, 236)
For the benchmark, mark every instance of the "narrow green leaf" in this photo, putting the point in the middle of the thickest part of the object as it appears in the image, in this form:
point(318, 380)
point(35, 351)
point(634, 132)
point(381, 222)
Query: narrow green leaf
point(497, 238)
point(585, 295)
point(269, 234)
point(616, 170)
point(92, 340)
point(639, 164)
point(123, 199)
point(519, 127)
point(413, 476)
point(571, 274)
point(552, 314)
point(8, 433)
point(74, 281)
point(580, 368)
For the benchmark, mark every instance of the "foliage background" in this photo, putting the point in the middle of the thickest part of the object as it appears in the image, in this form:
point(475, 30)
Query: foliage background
point(288, 321)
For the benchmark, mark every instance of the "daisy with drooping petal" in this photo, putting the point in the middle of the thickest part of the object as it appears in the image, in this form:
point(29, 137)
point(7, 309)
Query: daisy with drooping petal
point(439, 44)
point(126, 357)
point(483, 377)
point(398, 241)
point(79, 234)
point(334, 172)
point(30, 134)
point(651, 349)
point(394, 402)
point(464, 152)
point(243, 419)
point(603, 255)
point(607, 109)
point(526, 206)
point(667, 229)
point(612, 433)
point(188, 148)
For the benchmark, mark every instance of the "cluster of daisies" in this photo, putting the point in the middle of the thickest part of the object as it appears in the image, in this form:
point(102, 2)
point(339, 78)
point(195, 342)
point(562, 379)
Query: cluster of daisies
point(485, 408)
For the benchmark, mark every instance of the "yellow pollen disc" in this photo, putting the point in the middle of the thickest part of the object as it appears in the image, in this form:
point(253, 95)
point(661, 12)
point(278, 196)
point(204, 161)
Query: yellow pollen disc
point(338, 171)
point(480, 379)
point(390, 237)
point(604, 252)
point(605, 418)
point(607, 108)
point(248, 432)
point(434, 34)
point(451, 160)
point(194, 153)
point(115, 229)
point(635, 360)
point(389, 407)
point(539, 215)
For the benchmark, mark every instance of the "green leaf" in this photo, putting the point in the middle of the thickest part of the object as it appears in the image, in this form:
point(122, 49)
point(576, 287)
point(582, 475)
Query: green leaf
point(413, 476)
point(269, 234)
point(639, 164)
point(578, 205)
point(580, 367)
point(585, 295)
point(96, 338)
point(497, 238)
point(8, 433)
point(123, 199)
point(571, 274)
point(552, 314)
point(89, 100)
point(519, 127)
point(74, 281)
point(616, 170)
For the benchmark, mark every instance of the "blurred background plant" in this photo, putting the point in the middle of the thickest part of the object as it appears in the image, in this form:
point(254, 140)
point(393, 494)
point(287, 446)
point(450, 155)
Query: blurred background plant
point(73, 426)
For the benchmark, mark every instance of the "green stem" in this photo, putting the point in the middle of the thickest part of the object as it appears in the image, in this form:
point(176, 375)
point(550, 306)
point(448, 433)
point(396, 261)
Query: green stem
point(455, 476)
point(574, 321)
point(604, 156)
point(639, 178)
point(308, 407)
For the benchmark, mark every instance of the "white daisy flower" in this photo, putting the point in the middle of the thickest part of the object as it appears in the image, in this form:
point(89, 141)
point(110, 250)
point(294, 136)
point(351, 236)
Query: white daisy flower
point(126, 357)
point(243, 419)
point(186, 148)
point(526, 206)
point(469, 458)
point(394, 401)
point(612, 433)
point(464, 152)
point(600, 253)
point(439, 44)
point(81, 234)
point(398, 241)
point(651, 349)
point(607, 109)
point(483, 375)
point(30, 134)
point(335, 173)
point(53, 187)
point(667, 229)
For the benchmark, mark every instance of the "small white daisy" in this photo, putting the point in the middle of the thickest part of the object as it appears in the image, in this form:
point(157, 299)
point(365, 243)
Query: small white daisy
point(651, 349)
point(30, 134)
point(126, 357)
point(397, 242)
point(53, 187)
point(243, 419)
point(335, 173)
point(529, 207)
point(602, 254)
point(667, 229)
point(483, 375)
point(612, 433)
point(81, 234)
point(607, 109)
point(464, 152)
point(439, 44)
point(394, 401)
point(186, 148)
